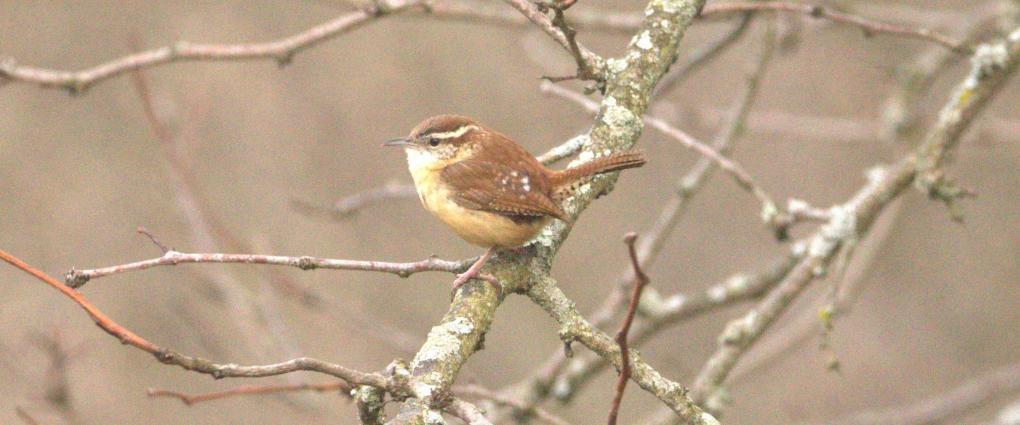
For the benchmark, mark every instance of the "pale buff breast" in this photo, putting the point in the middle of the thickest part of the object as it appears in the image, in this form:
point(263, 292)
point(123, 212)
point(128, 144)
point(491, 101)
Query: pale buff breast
point(477, 227)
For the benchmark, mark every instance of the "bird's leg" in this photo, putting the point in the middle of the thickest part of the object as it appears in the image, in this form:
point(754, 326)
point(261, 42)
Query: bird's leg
point(474, 271)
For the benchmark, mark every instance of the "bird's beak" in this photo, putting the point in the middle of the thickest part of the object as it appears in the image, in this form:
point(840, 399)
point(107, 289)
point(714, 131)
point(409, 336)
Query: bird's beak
point(402, 141)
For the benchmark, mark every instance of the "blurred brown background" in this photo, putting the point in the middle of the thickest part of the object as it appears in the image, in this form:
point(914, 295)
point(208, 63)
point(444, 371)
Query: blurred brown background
point(78, 175)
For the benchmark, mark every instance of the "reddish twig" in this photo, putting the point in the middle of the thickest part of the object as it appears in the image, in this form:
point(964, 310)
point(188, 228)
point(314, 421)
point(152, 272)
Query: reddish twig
point(190, 399)
point(640, 280)
point(105, 323)
point(197, 364)
point(869, 26)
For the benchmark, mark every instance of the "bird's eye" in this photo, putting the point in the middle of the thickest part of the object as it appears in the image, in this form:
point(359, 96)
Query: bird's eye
point(433, 141)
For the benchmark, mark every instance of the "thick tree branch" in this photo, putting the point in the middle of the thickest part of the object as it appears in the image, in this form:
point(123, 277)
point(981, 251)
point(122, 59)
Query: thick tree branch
point(562, 377)
point(629, 83)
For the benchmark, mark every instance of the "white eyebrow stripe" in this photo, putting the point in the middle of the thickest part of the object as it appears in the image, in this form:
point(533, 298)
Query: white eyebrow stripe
point(455, 133)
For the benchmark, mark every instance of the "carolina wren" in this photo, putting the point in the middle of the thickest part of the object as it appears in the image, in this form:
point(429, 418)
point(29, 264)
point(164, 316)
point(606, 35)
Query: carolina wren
point(489, 189)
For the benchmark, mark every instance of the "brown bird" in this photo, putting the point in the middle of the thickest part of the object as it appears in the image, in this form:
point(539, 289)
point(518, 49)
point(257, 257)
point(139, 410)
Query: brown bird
point(490, 190)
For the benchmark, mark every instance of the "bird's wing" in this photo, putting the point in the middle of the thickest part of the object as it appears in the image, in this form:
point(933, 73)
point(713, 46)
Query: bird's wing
point(500, 188)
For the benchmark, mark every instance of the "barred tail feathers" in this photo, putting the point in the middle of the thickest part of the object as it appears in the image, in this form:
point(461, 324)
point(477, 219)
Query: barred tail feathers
point(614, 162)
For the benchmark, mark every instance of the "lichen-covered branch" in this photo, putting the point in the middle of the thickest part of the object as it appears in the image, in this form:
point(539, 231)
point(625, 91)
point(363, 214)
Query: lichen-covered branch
point(573, 327)
point(395, 381)
point(629, 83)
point(991, 65)
point(562, 377)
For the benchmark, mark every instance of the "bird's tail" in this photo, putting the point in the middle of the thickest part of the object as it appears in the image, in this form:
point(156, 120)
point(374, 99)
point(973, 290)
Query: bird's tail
point(614, 162)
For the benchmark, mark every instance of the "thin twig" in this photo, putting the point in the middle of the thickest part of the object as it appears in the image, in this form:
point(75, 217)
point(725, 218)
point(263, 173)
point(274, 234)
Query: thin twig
point(588, 62)
point(771, 214)
point(584, 69)
point(703, 55)
point(77, 278)
point(852, 220)
point(487, 394)
point(600, 20)
point(282, 51)
point(467, 412)
point(346, 207)
point(869, 26)
point(352, 377)
point(554, 376)
point(943, 406)
point(152, 238)
point(190, 399)
point(25, 417)
point(193, 363)
point(640, 280)
point(209, 233)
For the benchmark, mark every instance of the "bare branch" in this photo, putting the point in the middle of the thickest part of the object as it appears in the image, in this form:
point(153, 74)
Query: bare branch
point(624, 23)
point(484, 393)
point(190, 399)
point(703, 55)
point(627, 90)
point(869, 26)
point(195, 363)
point(467, 412)
point(590, 65)
point(943, 406)
point(77, 278)
point(346, 207)
point(282, 51)
point(770, 212)
point(573, 327)
point(852, 220)
point(640, 281)
point(554, 377)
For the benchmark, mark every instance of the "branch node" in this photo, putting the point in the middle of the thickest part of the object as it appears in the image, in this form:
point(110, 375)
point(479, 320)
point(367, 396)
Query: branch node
point(816, 11)
point(164, 356)
point(284, 59)
point(941, 188)
point(307, 263)
point(75, 87)
point(75, 278)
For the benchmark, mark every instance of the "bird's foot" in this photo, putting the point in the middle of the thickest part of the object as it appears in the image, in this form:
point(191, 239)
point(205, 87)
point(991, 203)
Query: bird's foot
point(468, 275)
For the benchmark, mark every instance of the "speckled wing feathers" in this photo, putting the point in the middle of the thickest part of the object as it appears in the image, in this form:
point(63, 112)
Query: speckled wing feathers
point(486, 182)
